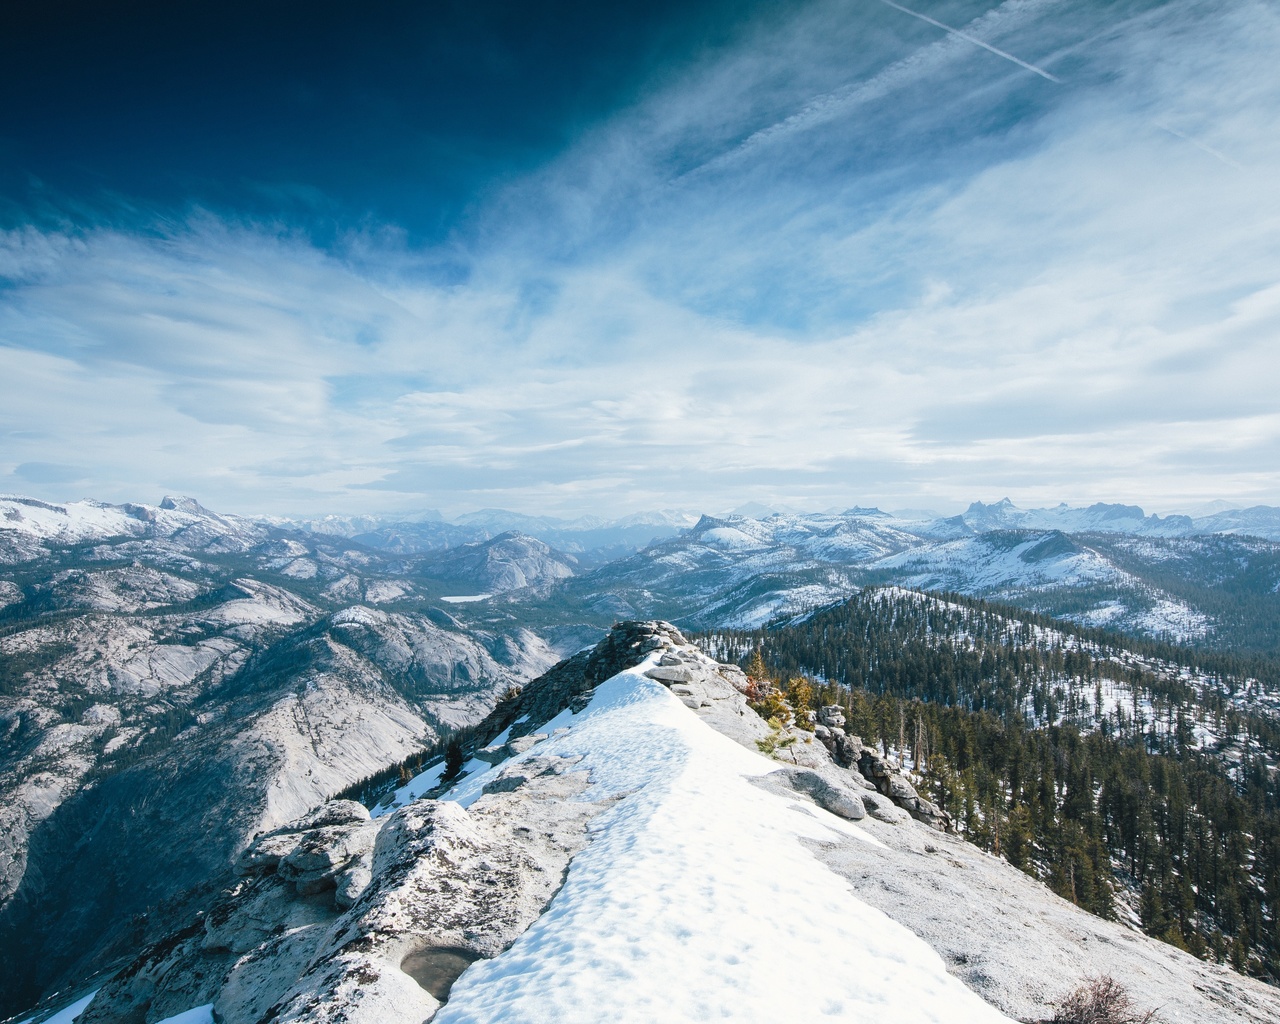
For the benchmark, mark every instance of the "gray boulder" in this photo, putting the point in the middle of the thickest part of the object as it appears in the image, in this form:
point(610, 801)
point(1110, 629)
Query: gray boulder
point(897, 788)
point(321, 854)
point(834, 795)
point(670, 674)
point(522, 743)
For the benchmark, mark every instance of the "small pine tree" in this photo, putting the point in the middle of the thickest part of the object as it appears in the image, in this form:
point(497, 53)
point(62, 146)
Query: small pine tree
point(771, 705)
point(1239, 954)
point(800, 695)
point(453, 761)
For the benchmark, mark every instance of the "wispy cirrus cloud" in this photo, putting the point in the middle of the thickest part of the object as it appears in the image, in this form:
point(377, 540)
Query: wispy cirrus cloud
point(843, 260)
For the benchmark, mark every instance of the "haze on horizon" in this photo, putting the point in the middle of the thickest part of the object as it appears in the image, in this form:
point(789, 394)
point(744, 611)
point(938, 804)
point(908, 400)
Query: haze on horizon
point(600, 258)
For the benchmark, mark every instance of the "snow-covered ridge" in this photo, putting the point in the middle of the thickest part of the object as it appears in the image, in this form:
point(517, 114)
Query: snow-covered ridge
point(695, 876)
point(28, 527)
point(702, 883)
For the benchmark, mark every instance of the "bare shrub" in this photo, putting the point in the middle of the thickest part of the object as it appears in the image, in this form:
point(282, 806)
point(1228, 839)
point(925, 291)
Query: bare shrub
point(1101, 1001)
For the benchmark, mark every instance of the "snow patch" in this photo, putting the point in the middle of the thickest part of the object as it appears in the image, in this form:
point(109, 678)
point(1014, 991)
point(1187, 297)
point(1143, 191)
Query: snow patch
point(69, 1013)
point(197, 1015)
point(385, 591)
point(728, 537)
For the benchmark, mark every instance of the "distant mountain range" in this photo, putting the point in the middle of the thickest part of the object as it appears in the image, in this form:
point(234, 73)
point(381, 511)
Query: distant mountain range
point(1216, 588)
point(1259, 521)
point(1211, 578)
point(589, 538)
point(27, 523)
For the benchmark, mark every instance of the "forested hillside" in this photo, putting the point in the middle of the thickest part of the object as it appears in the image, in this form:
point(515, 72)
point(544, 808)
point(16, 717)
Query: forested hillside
point(1136, 779)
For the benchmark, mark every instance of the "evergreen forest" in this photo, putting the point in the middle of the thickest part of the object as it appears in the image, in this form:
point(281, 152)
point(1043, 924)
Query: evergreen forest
point(1134, 778)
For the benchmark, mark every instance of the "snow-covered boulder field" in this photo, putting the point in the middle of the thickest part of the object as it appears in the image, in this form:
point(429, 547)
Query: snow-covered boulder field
point(619, 848)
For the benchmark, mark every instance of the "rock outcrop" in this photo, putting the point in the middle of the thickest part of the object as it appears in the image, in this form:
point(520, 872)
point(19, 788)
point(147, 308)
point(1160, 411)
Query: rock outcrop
point(878, 771)
point(342, 918)
point(847, 751)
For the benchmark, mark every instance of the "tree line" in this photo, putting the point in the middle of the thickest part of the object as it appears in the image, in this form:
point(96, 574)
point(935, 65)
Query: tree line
point(1130, 787)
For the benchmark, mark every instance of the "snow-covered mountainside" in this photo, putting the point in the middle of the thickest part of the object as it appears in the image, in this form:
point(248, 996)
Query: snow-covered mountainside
point(510, 561)
point(170, 686)
point(744, 571)
point(1045, 570)
point(30, 529)
point(619, 846)
point(739, 571)
point(1258, 521)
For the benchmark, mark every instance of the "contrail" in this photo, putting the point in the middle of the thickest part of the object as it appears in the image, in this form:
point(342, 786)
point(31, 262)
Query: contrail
point(1199, 145)
point(971, 39)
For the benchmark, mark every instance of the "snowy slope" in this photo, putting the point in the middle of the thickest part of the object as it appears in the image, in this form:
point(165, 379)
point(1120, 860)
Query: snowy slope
point(697, 899)
point(740, 571)
point(630, 856)
point(509, 561)
point(1258, 521)
point(1001, 562)
point(28, 527)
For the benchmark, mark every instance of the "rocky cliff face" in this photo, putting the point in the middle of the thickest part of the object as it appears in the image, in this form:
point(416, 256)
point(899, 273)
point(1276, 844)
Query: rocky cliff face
point(155, 714)
point(606, 797)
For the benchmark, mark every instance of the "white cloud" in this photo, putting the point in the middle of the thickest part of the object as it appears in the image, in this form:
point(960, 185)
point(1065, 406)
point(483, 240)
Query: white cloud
point(908, 271)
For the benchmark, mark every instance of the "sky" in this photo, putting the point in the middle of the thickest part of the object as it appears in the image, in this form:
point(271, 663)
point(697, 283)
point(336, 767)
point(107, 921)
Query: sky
point(582, 258)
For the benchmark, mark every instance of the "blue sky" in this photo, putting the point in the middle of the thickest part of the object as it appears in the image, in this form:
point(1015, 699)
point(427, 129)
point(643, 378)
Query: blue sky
point(594, 258)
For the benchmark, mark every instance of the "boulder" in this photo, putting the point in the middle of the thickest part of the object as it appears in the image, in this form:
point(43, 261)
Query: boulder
point(899, 790)
point(313, 864)
point(931, 814)
point(882, 808)
point(838, 797)
point(351, 883)
point(265, 852)
point(832, 716)
point(670, 674)
point(522, 743)
point(845, 750)
point(335, 812)
point(737, 678)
